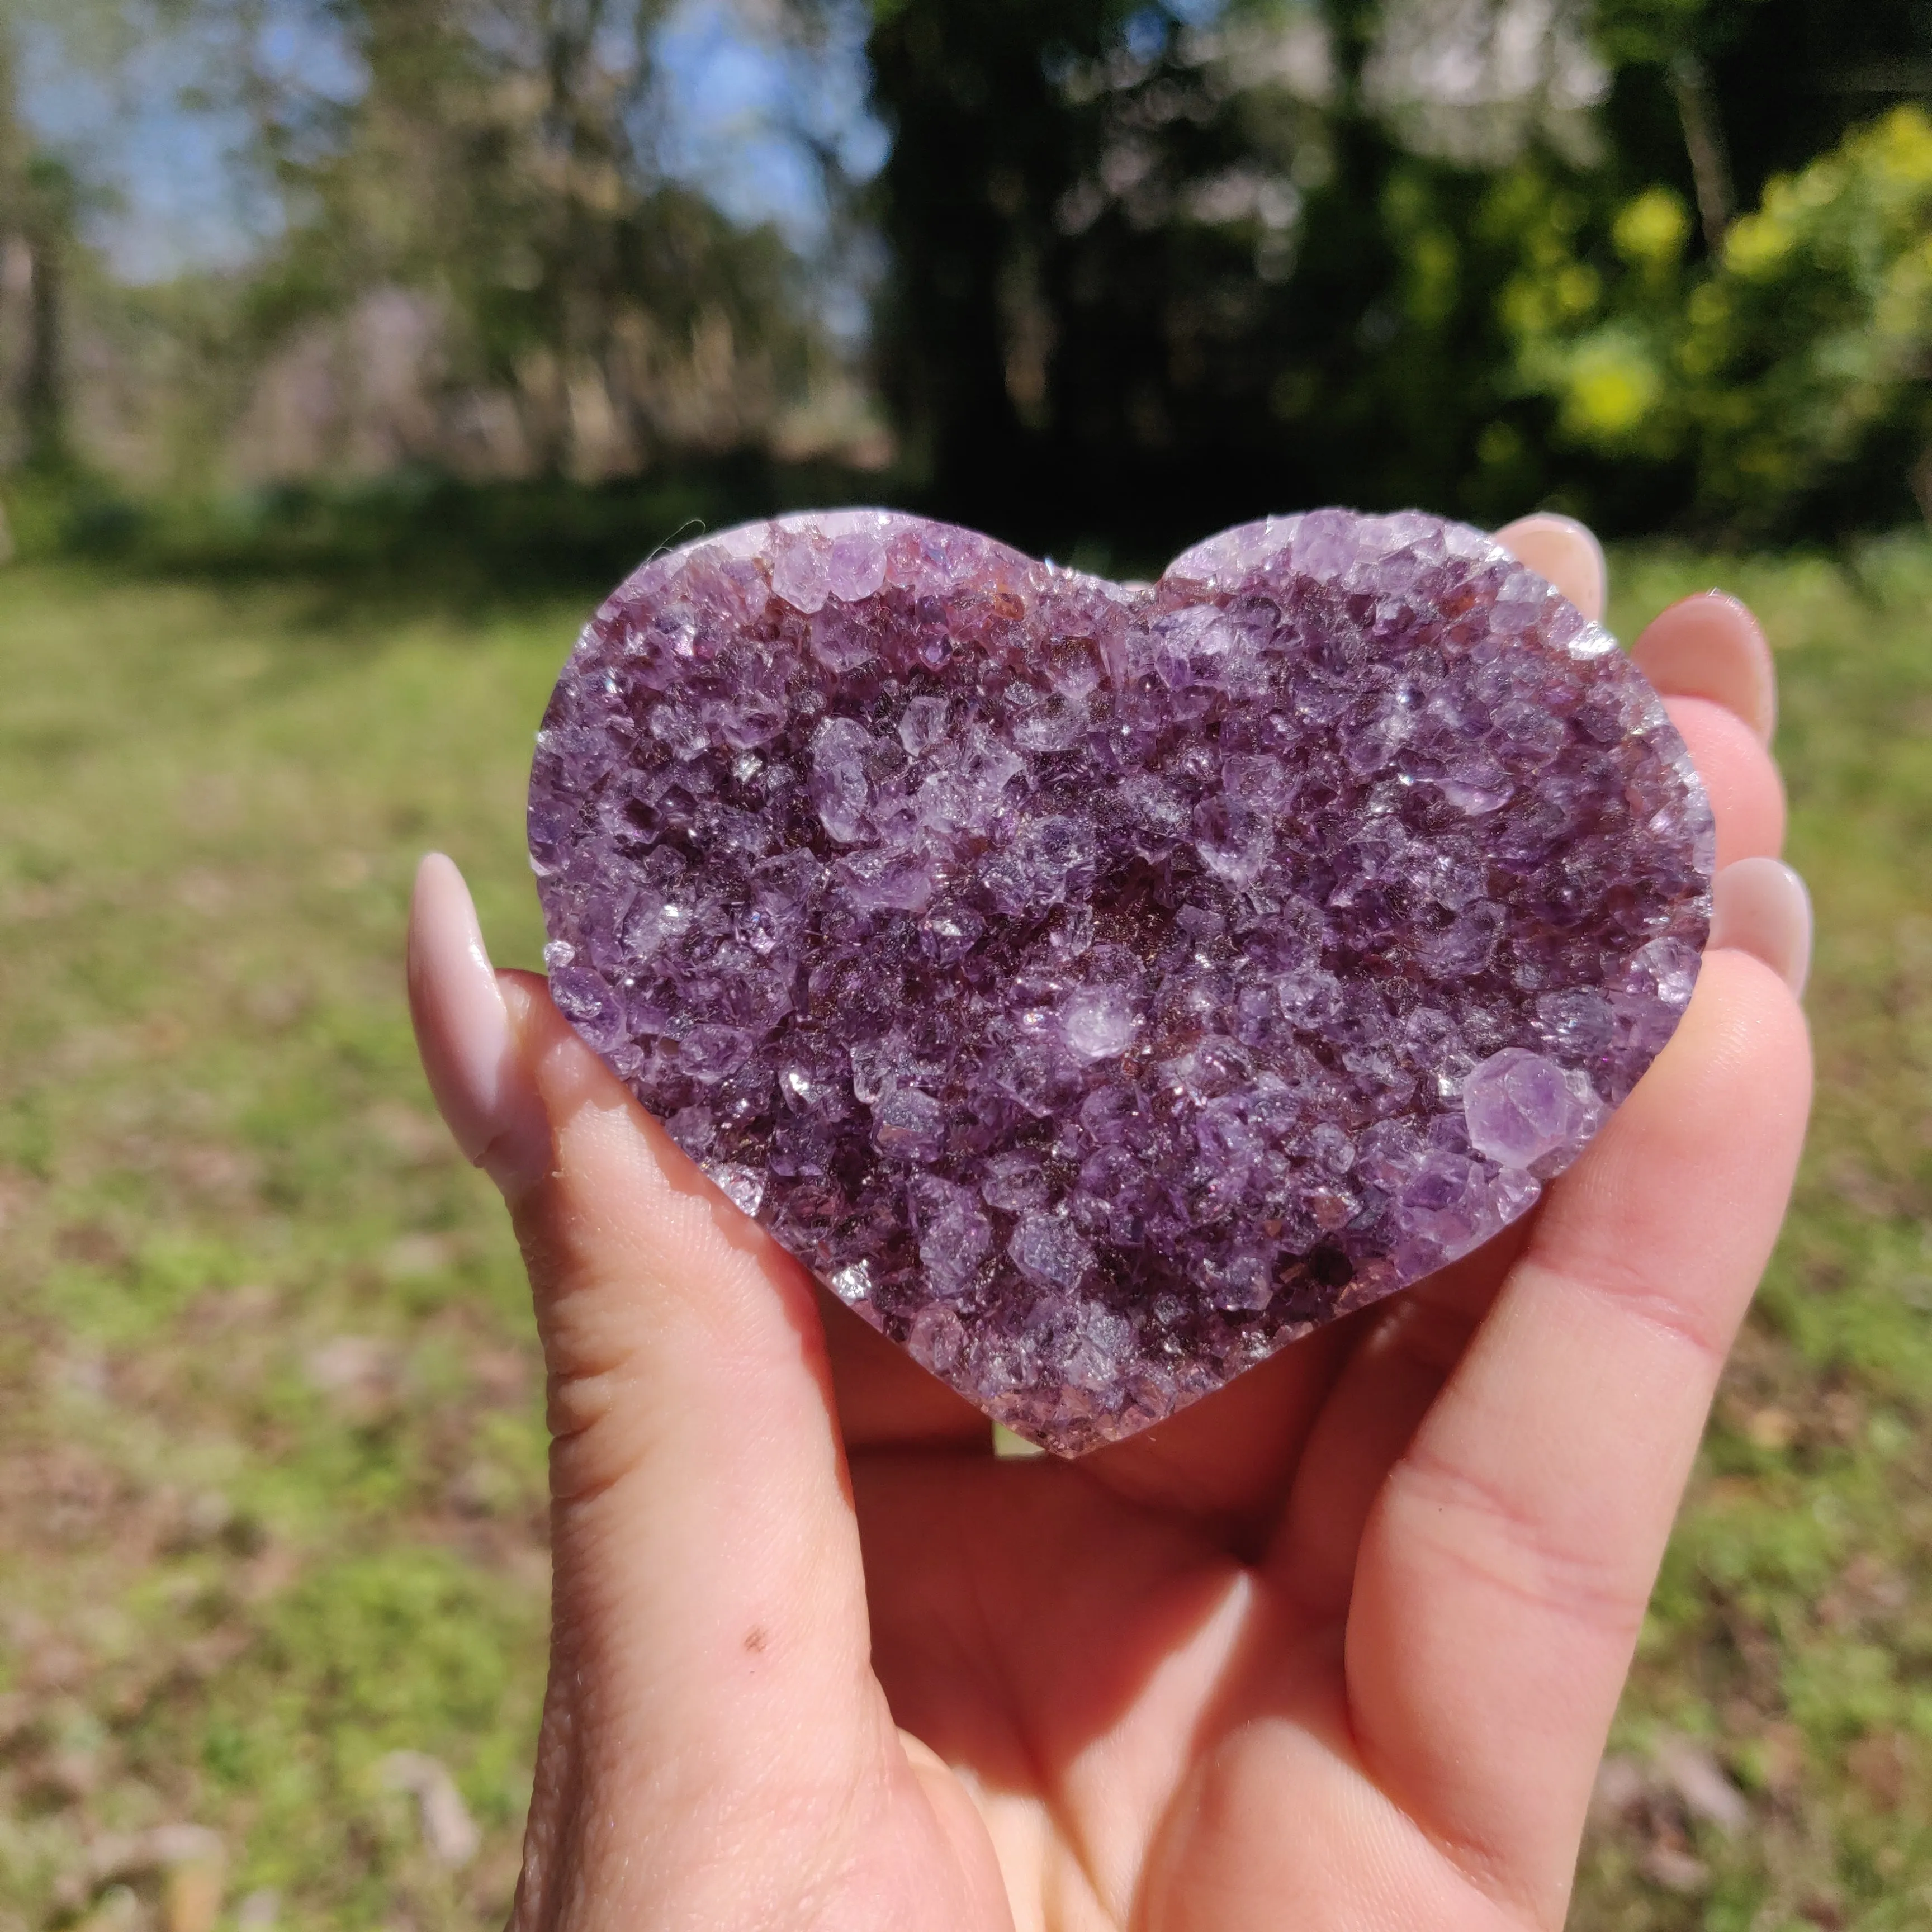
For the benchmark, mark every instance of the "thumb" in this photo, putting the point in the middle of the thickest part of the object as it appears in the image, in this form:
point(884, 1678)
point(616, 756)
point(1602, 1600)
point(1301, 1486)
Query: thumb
point(710, 1674)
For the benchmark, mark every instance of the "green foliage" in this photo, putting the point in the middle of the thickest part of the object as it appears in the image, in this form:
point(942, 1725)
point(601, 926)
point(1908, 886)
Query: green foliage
point(535, 218)
point(1658, 31)
point(1148, 277)
point(1152, 265)
point(398, 1645)
point(1785, 372)
point(462, 248)
point(1814, 336)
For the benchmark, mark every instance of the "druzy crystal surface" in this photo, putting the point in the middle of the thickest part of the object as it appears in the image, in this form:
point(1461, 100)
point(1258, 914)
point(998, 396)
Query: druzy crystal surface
point(1098, 986)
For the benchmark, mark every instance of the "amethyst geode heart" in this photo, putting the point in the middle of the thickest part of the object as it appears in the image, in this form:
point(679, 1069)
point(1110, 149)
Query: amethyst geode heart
point(1098, 986)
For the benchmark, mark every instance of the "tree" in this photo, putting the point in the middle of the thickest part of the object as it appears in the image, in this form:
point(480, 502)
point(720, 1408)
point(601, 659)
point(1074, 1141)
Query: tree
point(1151, 273)
point(1786, 378)
point(500, 161)
point(1762, 86)
point(38, 198)
point(45, 264)
point(466, 249)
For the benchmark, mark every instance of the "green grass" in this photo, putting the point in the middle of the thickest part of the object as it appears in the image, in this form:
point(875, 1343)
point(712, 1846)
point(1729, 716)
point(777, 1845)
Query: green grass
point(272, 1438)
point(270, 1452)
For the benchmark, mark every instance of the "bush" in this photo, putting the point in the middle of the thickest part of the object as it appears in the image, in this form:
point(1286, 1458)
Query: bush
point(1788, 376)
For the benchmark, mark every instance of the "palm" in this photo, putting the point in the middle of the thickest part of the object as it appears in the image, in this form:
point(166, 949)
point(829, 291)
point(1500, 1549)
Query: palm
point(1061, 1648)
point(1139, 1665)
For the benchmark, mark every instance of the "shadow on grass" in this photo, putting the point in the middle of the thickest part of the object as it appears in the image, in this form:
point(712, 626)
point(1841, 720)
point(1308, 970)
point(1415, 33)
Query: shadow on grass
point(420, 537)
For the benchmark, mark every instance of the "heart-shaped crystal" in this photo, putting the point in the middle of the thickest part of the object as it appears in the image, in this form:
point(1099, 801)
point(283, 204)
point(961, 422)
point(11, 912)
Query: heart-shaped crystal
point(1098, 986)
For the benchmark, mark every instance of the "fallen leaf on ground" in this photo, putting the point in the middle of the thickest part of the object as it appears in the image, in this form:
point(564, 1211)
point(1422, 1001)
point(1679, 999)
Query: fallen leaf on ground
point(1674, 1871)
point(448, 1831)
point(1702, 1782)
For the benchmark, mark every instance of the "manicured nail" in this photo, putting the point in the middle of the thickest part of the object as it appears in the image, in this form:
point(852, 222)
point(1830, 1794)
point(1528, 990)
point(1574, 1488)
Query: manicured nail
point(1760, 906)
point(463, 1034)
point(1562, 552)
point(1710, 646)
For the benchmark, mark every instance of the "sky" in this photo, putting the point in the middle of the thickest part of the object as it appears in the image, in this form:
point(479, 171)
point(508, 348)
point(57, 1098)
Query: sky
point(168, 193)
point(733, 97)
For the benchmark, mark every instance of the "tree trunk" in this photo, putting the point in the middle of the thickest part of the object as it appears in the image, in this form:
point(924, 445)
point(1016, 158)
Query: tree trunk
point(1704, 141)
point(36, 212)
point(13, 240)
point(43, 390)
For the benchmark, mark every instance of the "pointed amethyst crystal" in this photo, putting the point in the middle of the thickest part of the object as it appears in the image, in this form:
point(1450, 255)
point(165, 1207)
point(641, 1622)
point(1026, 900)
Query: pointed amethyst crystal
point(1099, 986)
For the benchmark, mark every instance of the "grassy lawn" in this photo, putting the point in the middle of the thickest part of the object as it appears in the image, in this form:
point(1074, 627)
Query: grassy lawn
point(270, 1462)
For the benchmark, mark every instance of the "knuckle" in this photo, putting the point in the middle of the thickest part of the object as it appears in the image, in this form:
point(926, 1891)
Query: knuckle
point(1627, 1288)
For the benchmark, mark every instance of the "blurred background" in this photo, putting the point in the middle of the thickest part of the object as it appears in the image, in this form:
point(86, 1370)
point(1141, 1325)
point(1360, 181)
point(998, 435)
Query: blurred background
point(350, 350)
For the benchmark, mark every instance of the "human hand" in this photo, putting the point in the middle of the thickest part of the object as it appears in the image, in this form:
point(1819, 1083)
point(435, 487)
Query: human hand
point(1336, 1648)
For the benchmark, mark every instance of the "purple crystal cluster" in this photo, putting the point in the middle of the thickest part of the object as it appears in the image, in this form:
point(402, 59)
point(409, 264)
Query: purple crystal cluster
point(1099, 986)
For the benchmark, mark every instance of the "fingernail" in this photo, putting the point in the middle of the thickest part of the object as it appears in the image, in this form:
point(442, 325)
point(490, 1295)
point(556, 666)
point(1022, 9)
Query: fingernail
point(1710, 646)
point(463, 1034)
point(1760, 906)
point(1563, 552)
